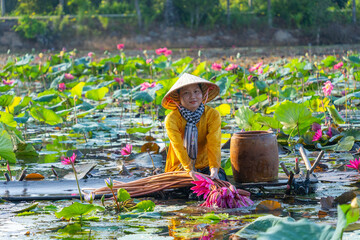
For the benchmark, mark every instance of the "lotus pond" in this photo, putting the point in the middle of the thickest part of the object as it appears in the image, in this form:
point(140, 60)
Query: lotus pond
point(55, 104)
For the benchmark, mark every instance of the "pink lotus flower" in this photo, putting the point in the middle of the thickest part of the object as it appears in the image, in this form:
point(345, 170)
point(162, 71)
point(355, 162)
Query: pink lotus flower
point(120, 46)
point(160, 50)
point(315, 127)
point(317, 135)
point(355, 164)
point(216, 66)
point(61, 87)
point(255, 67)
point(126, 150)
point(339, 65)
point(202, 186)
point(328, 87)
point(249, 77)
point(231, 67)
point(167, 53)
point(69, 76)
point(119, 80)
point(329, 133)
point(91, 54)
point(149, 60)
point(225, 197)
point(147, 85)
point(8, 82)
point(70, 160)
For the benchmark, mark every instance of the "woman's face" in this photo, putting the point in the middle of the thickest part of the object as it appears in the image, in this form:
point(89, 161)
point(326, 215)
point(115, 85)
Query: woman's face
point(191, 97)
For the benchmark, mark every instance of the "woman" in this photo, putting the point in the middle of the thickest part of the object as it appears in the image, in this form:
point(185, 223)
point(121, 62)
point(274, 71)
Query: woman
point(194, 129)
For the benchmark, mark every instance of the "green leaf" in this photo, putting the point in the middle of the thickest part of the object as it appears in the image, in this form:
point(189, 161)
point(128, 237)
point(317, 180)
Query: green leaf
point(77, 209)
point(145, 206)
point(97, 94)
point(26, 209)
point(46, 98)
point(335, 115)
point(6, 147)
point(224, 109)
point(269, 122)
point(294, 117)
point(347, 213)
point(122, 195)
point(77, 90)
point(226, 165)
point(272, 227)
point(351, 132)
point(288, 94)
point(344, 145)
point(45, 115)
point(71, 229)
point(138, 130)
point(328, 62)
point(6, 100)
point(247, 119)
point(258, 99)
point(8, 119)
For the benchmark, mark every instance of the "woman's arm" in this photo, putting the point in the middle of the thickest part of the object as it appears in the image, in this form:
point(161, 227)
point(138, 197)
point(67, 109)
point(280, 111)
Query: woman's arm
point(213, 139)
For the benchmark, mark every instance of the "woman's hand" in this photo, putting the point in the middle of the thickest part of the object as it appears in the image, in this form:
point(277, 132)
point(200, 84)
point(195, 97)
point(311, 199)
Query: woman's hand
point(192, 174)
point(214, 173)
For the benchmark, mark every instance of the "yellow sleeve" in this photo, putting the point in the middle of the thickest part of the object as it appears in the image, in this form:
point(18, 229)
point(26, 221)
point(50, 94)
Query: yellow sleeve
point(173, 129)
point(213, 139)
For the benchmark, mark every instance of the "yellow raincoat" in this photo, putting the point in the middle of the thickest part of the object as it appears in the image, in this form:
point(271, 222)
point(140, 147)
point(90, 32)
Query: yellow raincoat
point(209, 141)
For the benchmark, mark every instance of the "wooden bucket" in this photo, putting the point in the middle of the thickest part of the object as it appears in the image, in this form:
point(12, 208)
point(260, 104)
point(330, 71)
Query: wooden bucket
point(254, 156)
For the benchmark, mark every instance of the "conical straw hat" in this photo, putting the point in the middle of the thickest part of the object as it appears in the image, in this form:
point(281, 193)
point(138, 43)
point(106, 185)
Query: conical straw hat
point(172, 96)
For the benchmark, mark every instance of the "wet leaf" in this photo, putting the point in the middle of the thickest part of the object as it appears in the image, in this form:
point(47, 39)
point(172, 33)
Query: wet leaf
point(322, 214)
point(138, 130)
point(32, 206)
point(149, 138)
point(345, 144)
point(71, 229)
point(268, 205)
point(34, 176)
point(77, 209)
point(150, 147)
point(26, 213)
point(145, 206)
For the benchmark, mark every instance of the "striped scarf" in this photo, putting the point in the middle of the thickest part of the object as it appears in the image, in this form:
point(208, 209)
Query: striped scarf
point(191, 131)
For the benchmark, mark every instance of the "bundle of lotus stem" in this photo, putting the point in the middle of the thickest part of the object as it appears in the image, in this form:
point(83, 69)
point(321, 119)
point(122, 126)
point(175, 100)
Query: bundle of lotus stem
point(155, 183)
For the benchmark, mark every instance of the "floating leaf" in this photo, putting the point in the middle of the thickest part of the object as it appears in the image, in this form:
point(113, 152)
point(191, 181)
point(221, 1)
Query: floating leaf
point(34, 176)
point(77, 209)
point(150, 147)
point(345, 144)
point(138, 130)
point(145, 206)
point(268, 205)
point(32, 206)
